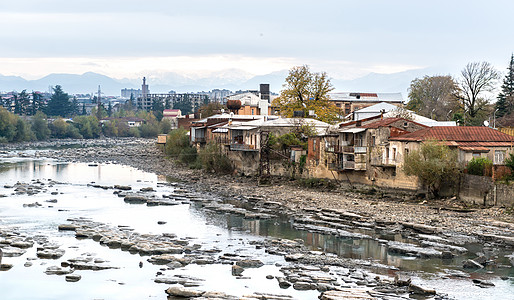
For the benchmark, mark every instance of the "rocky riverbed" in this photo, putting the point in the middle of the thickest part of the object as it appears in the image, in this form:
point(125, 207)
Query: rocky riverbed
point(436, 229)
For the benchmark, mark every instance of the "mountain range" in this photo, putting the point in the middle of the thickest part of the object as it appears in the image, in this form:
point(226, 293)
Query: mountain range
point(228, 79)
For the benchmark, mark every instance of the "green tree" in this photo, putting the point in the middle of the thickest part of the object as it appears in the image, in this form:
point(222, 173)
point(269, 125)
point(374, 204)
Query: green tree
point(179, 148)
point(84, 112)
point(40, 126)
point(434, 164)
point(214, 160)
point(433, 97)
point(59, 104)
point(74, 106)
point(23, 131)
point(307, 91)
point(476, 79)
point(184, 104)
point(505, 103)
point(109, 109)
point(88, 126)
point(7, 125)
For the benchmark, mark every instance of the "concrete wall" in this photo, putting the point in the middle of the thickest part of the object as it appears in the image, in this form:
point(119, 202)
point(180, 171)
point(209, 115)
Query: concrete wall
point(501, 195)
point(474, 189)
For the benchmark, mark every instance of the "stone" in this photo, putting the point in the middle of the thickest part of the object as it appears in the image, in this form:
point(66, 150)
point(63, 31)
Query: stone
point(135, 199)
point(123, 187)
point(72, 277)
point(250, 263)
point(237, 270)
point(179, 291)
point(418, 290)
point(67, 227)
point(402, 280)
point(283, 283)
point(50, 253)
point(55, 270)
point(347, 293)
point(471, 264)
point(5, 267)
point(303, 286)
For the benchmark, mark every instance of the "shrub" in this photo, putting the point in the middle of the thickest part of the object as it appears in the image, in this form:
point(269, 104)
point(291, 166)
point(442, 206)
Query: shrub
point(213, 160)
point(479, 166)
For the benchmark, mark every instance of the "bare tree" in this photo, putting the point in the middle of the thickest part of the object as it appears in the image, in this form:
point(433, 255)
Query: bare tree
point(477, 78)
point(433, 96)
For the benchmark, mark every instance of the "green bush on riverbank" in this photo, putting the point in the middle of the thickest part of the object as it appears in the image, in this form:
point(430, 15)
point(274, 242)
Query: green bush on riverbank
point(209, 158)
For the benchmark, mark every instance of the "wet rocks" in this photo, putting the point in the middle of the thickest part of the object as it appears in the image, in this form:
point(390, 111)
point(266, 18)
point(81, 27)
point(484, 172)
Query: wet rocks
point(412, 250)
point(237, 270)
point(49, 253)
point(483, 283)
point(133, 199)
point(123, 187)
point(56, 270)
point(471, 264)
point(250, 263)
point(5, 267)
point(72, 277)
point(179, 291)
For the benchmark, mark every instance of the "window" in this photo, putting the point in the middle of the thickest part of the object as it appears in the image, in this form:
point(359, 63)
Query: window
point(373, 140)
point(253, 111)
point(499, 157)
point(476, 154)
point(394, 154)
point(313, 145)
point(406, 151)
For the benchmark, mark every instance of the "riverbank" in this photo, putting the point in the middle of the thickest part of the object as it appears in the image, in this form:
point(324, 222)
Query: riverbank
point(377, 206)
point(441, 227)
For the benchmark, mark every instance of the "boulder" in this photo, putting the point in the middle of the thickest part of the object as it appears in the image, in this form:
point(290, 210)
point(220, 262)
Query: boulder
point(135, 199)
point(250, 263)
point(179, 291)
point(73, 277)
point(471, 264)
point(237, 270)
point(418, 290)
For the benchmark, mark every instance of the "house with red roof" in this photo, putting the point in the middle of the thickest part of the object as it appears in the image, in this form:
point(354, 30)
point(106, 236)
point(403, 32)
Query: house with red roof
point(470, 141)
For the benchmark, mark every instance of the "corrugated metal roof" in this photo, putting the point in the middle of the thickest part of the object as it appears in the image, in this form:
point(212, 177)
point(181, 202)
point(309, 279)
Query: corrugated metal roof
point(353, 130)
point(474, 149)
point(458, 134)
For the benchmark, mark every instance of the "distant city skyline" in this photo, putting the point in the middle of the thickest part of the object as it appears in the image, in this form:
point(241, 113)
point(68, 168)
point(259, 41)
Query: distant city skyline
point(347, 39)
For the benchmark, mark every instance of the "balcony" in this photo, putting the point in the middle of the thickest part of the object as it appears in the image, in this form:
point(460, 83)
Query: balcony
point(199, 139)
point(348, 165)
point(242, 147)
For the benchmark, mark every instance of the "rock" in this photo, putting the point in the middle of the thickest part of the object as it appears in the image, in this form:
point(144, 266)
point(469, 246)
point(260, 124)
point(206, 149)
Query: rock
point(161, 222)
point(283, 283)
point(55, 270)
point(50, 253)
point(147, 189)
point(471, 264)
point(402, 280)
point(135, 199)
point(269, 277)
point(12, 252)
point(418, 290)
point(22, 244)
point(347, 293)
point(67, 227)
point(250, 263)
point(483, 283)
point(179, 291)
point(303, 286)
point(5, 267)
point(123, 187)
point(237, 270)
point(72, 277)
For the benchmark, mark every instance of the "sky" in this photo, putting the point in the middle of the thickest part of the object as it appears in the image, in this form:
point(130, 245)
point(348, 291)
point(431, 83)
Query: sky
point(346, 39)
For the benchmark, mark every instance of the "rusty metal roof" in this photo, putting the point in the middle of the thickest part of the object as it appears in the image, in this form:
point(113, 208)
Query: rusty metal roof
point(457, 134)
point(387, 122)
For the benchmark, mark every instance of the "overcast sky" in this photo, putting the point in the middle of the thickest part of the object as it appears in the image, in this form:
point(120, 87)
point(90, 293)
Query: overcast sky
point(347, 39)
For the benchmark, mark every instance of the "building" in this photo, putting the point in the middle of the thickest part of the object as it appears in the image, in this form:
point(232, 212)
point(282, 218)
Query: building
point(350, 102)
point(250, 102)
point(469, 141)
point(127, 93)
point(391, 111)
point(172, 115)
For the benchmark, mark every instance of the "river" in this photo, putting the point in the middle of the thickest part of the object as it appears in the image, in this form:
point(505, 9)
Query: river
point(68, 191)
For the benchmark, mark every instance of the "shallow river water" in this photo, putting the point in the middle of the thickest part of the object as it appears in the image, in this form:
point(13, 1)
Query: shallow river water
point(77, 198)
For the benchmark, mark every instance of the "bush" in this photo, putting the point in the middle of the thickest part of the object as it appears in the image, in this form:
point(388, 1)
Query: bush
point(479, 166)
point(214, 161)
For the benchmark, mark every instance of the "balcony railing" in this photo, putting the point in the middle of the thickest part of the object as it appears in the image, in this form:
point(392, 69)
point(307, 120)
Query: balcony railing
point(242, 147)
point(348, 165)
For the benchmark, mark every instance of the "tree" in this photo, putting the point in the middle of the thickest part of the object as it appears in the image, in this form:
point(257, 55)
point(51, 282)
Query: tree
point(307, 91)
point(59, 104)
point(434, 164)
point(477, 79)
point(211, 109)
point(109, 109)
point(433, 96)
point(40, 126)
point(184, 104)
point(37, 103)
point(505, 103)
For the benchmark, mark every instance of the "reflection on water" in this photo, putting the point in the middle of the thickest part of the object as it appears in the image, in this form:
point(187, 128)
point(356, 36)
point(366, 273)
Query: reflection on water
point(208, 228)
